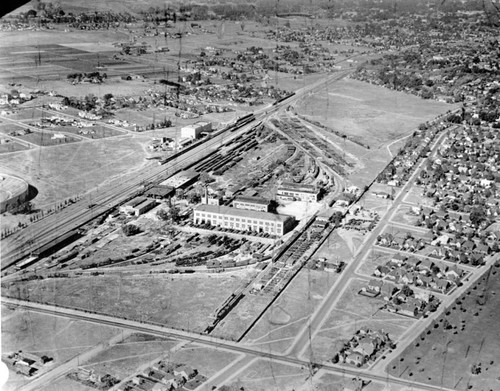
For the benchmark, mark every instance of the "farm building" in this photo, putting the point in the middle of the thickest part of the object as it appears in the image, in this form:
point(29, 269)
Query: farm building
point(297, 192)
point(194, 131)
point(252, 203)
point(243, 220)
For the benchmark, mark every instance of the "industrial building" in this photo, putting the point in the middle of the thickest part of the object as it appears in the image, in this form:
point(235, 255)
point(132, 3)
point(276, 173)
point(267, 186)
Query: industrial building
point(252, 203)
point(194, 131)
point(297, 192)
point(160, 192)
point(138, 206)
point(243, 220)
point(181, 180)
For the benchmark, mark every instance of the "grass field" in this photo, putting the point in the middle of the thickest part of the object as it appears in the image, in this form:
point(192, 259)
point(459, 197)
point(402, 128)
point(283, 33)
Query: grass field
point(124, 358)
point(208, 361)
point(53, 336)
point(377, 116)
point(184, 302)
point(11, 147)
point(466, 334)
point(95, 132)
point(266, 375)
point(285, 318)
point(45, 139)
point(416, 198)
point(403, 216)
point(76, 168)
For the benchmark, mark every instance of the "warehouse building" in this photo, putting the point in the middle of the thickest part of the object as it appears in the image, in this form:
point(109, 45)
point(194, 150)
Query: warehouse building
point(252, 203)
point(243, 220)
point(138, 206)
point(181, 180)
point(297, 192)
point(194, 131)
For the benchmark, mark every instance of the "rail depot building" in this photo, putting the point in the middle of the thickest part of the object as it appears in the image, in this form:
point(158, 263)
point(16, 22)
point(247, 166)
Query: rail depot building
point(242, 219)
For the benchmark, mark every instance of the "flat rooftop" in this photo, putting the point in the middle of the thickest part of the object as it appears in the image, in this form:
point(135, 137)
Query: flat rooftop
point(227, 210)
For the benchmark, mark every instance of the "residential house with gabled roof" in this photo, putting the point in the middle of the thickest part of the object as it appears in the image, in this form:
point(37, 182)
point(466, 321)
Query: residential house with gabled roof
point(381, 271)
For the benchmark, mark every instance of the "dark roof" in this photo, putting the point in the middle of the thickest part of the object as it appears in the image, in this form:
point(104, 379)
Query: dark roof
point(252, 200)
point(162, 191)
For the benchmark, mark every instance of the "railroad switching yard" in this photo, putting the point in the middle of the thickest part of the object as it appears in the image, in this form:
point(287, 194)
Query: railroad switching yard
point(301, 196)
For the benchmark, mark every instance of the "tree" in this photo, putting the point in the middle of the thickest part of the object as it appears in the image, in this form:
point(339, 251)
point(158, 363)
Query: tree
point(477, 216)
point(162, 214)
point(174, 213)
point(130, 229)
point(407, 291)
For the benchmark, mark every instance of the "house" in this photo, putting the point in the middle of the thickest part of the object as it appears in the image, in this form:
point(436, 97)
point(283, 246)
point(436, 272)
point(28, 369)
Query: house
point(365, 347)
point(397, 260)
point(381, 271)
point(412, 262)
point(185, 371)
point(374, 286)
point(355, 358)
point(453, 273)
point(408, 310)
point(387, 291)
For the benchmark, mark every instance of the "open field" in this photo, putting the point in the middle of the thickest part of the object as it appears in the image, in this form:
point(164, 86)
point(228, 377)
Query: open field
point(265, 375)
point(53, 336)
point(65, 384)
point(208, 361)
point(159, 299)
point(377, 116)
point(95, 132)
point(45, 139)
point(241, 317)
point(415, 197)
point(76, 168)
point(351, 312)
point(402, 216)
point(124, 358)
point(289, 313)
point(11, 147)
point(338, 246)
point(466, 334)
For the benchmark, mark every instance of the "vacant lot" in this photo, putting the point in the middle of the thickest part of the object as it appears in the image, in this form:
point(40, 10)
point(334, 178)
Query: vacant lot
point(11, 146)
point(466, 334)
point(76, 168)
point(266, 375)
point(45, 139)
point(378, 115)
point(415, 197)
point(122, 359)
point(403, 216)
point(97, 131)
point(53, 336)
point(282, 322)
point(184, 302)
